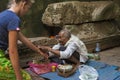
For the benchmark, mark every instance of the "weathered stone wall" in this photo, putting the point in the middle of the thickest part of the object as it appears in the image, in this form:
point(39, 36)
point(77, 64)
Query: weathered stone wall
point(94, 30)
point(76, 12)
point(32, 25)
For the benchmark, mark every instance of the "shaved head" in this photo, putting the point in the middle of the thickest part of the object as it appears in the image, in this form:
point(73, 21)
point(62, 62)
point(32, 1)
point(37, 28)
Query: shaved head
point(65, 33)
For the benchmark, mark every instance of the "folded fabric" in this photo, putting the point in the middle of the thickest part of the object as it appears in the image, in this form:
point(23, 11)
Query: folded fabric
point(41, 68)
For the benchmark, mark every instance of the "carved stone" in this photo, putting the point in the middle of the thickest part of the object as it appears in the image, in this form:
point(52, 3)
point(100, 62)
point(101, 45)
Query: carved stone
point(76, 12)
point(94, 31)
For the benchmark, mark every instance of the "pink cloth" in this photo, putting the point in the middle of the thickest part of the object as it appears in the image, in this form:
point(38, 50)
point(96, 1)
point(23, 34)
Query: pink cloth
point(42, 68)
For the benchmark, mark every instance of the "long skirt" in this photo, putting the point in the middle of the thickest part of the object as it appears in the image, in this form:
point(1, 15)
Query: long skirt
point(6, 69)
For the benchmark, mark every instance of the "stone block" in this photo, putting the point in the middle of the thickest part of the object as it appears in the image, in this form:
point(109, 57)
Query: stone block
point(76, 12)
point(93, 31)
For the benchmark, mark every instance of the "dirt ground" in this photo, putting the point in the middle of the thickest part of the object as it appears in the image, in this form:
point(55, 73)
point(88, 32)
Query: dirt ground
point(111, 56)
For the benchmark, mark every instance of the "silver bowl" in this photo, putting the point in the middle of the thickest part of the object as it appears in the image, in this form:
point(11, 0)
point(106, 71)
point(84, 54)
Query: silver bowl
point(65, 68)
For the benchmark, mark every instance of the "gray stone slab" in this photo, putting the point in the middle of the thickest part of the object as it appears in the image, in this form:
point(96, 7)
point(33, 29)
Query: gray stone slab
point(76, 12)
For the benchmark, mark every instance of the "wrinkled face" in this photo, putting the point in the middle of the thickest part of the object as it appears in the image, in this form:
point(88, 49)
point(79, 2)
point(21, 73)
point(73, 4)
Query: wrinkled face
point(61, 38)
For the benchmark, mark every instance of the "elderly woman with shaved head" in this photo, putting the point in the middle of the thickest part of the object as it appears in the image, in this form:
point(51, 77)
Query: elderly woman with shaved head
point(69, 48)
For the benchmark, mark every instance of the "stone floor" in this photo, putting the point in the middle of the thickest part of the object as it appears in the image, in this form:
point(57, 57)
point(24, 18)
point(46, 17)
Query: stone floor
point(111, 56)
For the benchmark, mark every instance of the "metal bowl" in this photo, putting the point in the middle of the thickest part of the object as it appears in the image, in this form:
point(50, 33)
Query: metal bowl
point(65, 68)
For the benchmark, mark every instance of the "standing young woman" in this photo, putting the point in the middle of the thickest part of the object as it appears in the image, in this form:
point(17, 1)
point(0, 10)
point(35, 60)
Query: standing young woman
point(9, 35)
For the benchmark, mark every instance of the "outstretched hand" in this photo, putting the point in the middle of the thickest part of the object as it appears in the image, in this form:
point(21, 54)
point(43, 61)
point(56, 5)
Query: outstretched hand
point(45, 48)
point(43, 53)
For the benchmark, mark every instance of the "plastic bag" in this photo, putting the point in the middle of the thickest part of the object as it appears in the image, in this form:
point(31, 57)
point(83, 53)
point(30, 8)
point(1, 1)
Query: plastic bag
point(87, 73)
